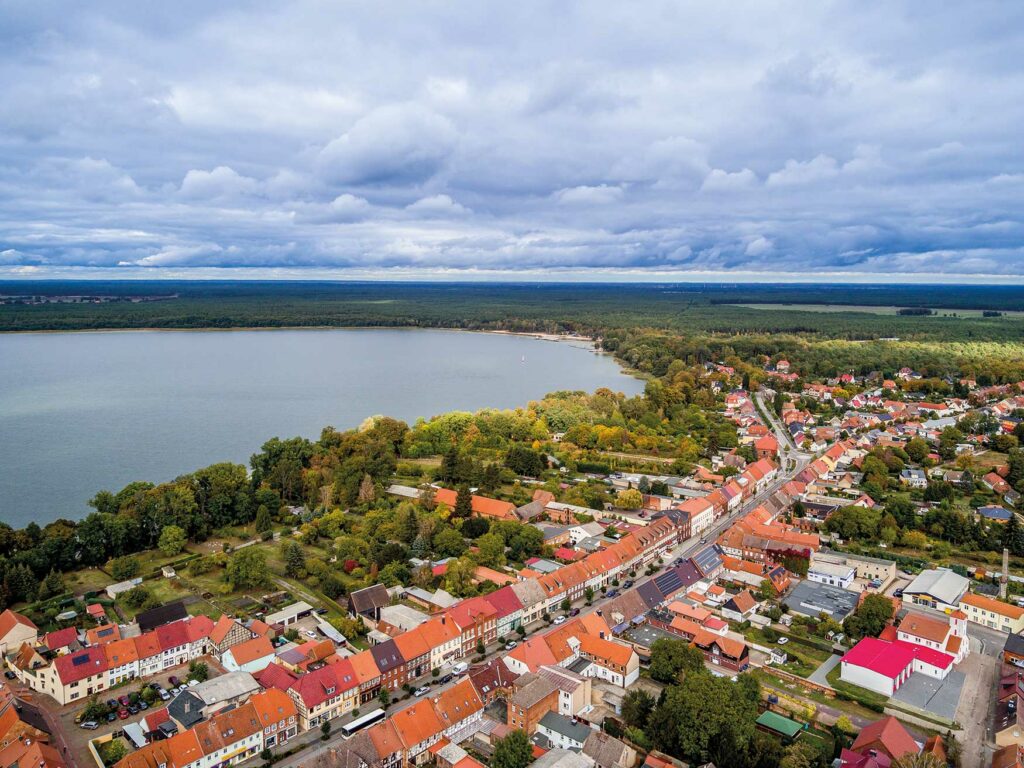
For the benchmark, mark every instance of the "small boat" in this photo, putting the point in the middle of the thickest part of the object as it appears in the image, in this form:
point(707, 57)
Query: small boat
point(523, 360)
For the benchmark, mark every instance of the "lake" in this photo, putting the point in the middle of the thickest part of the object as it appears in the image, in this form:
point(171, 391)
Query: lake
point(82, 412)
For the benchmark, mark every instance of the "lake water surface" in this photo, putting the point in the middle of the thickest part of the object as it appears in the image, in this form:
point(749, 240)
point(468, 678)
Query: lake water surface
point(81, 412)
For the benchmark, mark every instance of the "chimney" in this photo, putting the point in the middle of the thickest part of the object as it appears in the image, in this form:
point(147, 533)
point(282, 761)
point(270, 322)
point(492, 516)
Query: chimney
point(1004, 575)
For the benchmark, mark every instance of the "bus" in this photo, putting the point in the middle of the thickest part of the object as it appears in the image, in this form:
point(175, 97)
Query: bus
point(351, 729)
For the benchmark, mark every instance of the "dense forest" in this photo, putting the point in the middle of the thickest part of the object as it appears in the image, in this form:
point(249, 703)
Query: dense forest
point(648, 326)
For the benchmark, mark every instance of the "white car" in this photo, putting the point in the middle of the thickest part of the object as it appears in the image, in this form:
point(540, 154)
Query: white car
point(510, 645)
point(193, 683)
point(460, 668)
point(782, 640)
point(309, 633)
point(422, 691)
point(559, 620)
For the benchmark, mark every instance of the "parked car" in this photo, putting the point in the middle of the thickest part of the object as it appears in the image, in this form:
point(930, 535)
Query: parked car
point(124, 701)
point(446, 678)
point(627, 584)
point(574, 612)
point(143, 704)
point(422, 691)
point(174, 681)
point(90, 725)
point(309, 633)
point(703, 541)
point(193, 683)
point(510, 645)
point(122, 713)
point(460, 668)
point(9, 675)
point(111, 703)
point(782, 640)
point(613, 592)
point(111, 716)
point(560, 619)
point(898, 593)
point(132, 709)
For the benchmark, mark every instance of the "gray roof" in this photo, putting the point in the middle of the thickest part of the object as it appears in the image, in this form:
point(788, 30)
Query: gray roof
point(940, 583)
point(575, 731)
point(232, 685)
point(186, 709)
point(810, 598)
point(529, 592)
point(563, 758)
point(607, 751)
point(530, 689)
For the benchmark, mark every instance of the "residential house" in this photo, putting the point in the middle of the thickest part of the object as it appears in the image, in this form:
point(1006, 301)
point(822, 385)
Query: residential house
point(993, 613)
point(15, 630)
point(250, 656)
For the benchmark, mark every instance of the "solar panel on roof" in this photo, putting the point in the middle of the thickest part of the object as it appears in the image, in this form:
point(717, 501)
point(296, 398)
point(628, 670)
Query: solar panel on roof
point(80, 660)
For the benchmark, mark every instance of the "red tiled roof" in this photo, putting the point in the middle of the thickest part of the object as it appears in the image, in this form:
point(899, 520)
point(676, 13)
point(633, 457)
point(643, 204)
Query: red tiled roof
point(78, 666)
point(890, 734)
point(62, 638)
point(172, 635)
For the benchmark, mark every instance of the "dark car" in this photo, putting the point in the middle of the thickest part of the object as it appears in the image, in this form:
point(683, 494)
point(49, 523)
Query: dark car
point(9, 675)
point(174, 681)
point(111, 703)
point(898, 593)
point(627, 584)
point(132, 709)
point(111, 716)
point(143, 704)
point(574, 612)
point(612, 592)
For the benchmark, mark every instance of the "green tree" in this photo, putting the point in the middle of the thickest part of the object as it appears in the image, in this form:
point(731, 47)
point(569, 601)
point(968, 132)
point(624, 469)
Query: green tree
point(870, 617)
point(384, 697)
point(799, 755)
point(263, 520)
point(247, 568)
point(670, 658)
point(52, 585)
point(707, 719)
point(137, 597)
point(198, 671)
point(491, 479)
point(325, 730)
point(172, 540)
point(114, 752)
point(637, 706)
point(512, 751)
point(463, 503)
point(294, 557)
point(629, 499)
point(449, 543)
point(124, 568)
point(491, 550)
point(524, 461)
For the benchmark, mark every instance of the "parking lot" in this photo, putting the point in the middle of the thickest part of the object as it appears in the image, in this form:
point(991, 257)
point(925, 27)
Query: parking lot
point(78, 737)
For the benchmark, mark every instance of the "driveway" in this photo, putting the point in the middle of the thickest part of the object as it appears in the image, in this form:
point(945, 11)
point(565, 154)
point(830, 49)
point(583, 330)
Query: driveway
point(977, 704)
point(819, 675)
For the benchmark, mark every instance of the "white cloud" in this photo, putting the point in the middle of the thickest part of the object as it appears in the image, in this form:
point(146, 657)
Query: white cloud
point(723, 181)
point(586, 195)
point(759, 246)
point(433, 137)
point(437, 205)
point(401, 143)
point(222, 182)
point(795, 172)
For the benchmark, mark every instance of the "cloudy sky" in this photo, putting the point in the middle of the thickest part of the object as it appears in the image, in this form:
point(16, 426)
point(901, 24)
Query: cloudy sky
point(469, 140)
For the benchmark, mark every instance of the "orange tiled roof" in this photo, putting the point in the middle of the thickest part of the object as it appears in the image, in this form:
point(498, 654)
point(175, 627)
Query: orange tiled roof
point(417, 723)
point(986, 603)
